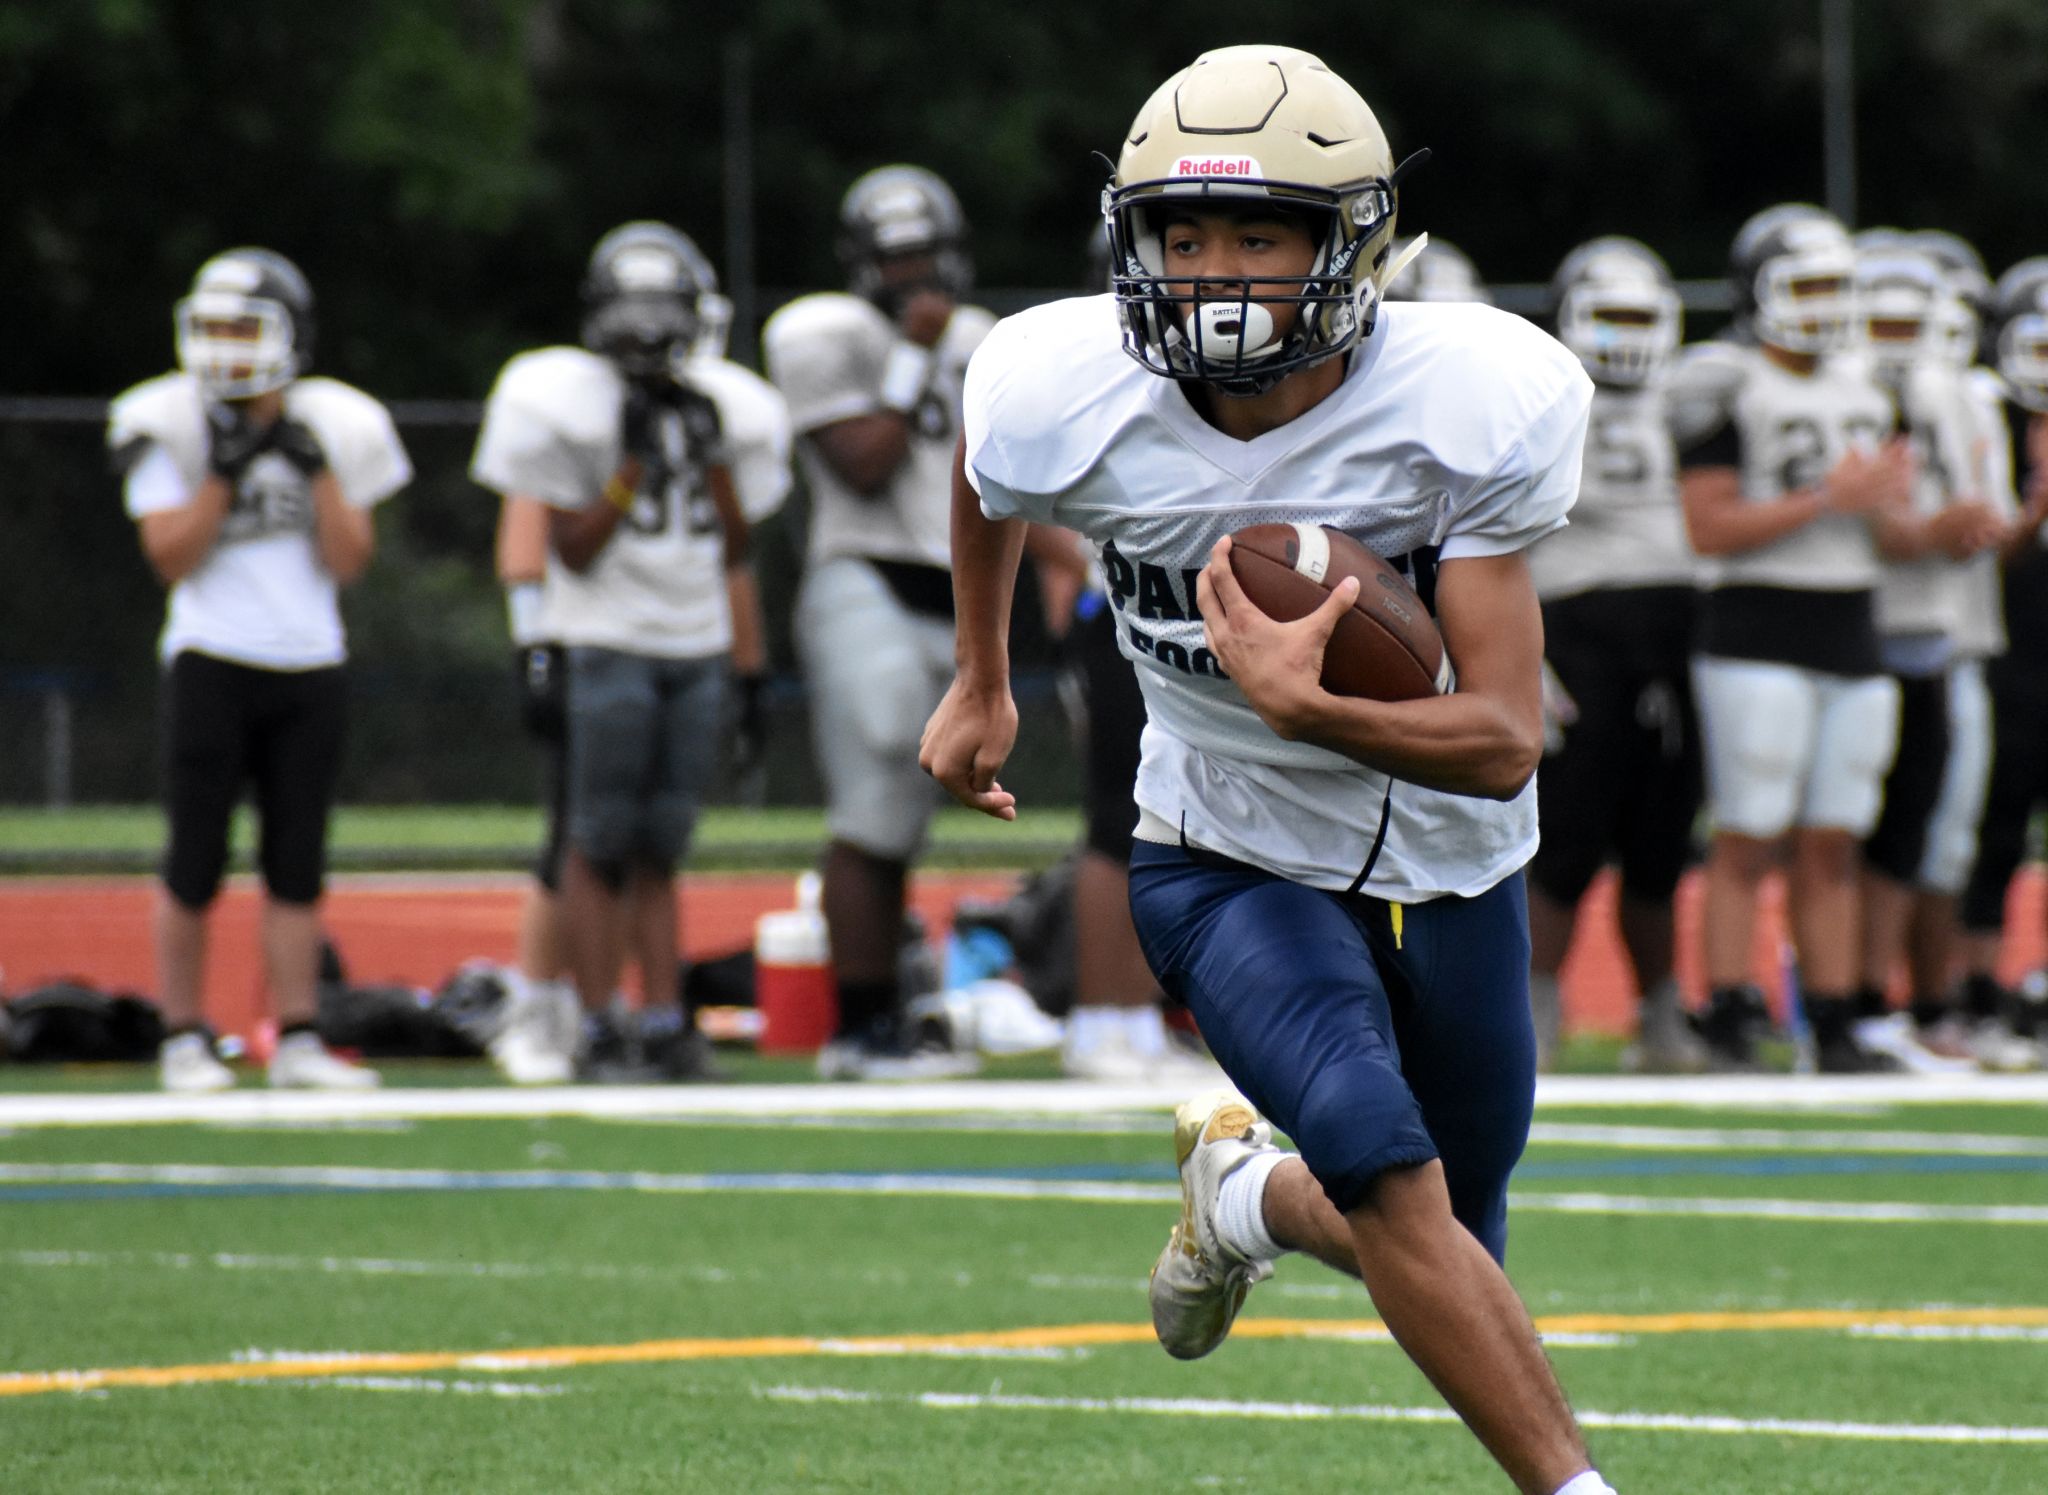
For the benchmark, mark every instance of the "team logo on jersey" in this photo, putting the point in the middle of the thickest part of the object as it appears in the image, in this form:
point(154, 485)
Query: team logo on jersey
point(1239, 166)
point(1141, 590)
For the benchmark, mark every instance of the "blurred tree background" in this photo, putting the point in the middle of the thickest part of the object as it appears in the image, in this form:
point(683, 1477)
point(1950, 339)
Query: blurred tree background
point(441, 167)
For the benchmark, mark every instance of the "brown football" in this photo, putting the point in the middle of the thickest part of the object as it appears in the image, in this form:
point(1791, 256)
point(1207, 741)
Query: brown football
point(1385, 649)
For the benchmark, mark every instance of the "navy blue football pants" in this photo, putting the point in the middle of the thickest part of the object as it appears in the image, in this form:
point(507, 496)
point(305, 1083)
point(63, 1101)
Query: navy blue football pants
point(1373, 1047)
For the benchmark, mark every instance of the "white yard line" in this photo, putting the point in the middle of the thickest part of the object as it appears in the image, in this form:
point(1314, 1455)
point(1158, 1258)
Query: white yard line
point(1651, 1422)
point(942, 1185)
point(1065, 1098)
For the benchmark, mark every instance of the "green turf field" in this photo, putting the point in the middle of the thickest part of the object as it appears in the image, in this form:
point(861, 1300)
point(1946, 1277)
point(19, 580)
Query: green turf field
point(413, 838)
point(554, 1304)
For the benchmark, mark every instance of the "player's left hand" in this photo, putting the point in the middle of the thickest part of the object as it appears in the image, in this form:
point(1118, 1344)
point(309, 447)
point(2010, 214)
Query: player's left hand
point(965, 745)
point(295, 442)
point(1278, 666)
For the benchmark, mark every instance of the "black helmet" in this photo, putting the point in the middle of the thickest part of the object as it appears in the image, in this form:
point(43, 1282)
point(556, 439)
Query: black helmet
point(643, 297)
point(902, 210)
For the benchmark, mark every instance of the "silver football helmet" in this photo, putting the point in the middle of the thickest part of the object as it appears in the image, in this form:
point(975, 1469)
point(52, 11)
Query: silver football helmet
point(1794, 274)
point(1615, 307)
point(246, 326)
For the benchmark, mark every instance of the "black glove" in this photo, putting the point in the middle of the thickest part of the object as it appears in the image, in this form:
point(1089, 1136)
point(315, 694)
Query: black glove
point(295, 442)
point(233, 441)
point(639, 420)
point(749, 723)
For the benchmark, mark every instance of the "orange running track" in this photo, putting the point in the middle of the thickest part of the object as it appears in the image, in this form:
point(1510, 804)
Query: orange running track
point(415, 930)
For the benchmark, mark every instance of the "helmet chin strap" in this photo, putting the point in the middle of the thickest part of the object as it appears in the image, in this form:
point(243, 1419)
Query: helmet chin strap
point(1402, 260)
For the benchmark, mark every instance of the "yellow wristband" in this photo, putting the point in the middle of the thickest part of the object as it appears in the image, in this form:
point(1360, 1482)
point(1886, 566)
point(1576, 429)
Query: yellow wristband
point(618, 493)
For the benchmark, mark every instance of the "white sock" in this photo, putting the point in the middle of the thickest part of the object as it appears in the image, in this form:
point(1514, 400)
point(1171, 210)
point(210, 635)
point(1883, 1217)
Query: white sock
point(1241, 1209)
point(1589, 1483)
point(1145, 1030)
point(1091, 1028)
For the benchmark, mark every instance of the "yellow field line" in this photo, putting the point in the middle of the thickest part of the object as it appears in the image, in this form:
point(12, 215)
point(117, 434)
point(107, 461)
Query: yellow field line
point(1056, 1336)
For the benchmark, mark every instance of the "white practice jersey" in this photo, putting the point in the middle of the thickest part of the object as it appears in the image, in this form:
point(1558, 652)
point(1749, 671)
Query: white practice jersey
point(261, 597)
point(1457, 432)
point(551, 432)
point(1925, 596)
point(1627, 529)
point(1732, 407)
point(826, 353)
point(1981, 631)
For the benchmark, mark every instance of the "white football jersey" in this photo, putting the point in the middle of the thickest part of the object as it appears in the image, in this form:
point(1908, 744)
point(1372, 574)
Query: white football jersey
point(261, 597)
point(1981, 632)
point(1783, 432)
point(1457, 432)
point(1925, 596)
point(551, 432)
point(826, 353)
point(1627, 529)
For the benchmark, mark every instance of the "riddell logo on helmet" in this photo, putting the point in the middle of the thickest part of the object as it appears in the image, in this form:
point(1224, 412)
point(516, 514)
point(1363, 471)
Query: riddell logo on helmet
point(1216, 166)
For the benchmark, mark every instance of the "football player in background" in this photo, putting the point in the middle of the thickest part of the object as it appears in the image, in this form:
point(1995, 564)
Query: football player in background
point(1905, 312)
point(648, 466)
point(1787, 467)
point(1621, 775)
point(873, 376)
point(251, 486)
point(1329, 883)
point(2017, 339)
point(1438, 271)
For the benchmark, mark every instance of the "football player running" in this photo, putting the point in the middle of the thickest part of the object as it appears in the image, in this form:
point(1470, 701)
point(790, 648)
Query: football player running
point(1622, 774)
point(1788, 468)
point(1905, 312)
point(873, 379)
point(648, 466)
point(251, 486)
point(1328, 883)
point(2002, 1021)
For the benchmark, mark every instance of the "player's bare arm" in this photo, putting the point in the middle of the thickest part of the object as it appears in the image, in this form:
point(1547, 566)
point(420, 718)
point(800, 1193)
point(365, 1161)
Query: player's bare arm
point(521, 549)
point(342, 532)
point(1719, 520)
point(1484, 739)
point(580, 535)
point(176, 541)
point(972, 732)
point(866, 450)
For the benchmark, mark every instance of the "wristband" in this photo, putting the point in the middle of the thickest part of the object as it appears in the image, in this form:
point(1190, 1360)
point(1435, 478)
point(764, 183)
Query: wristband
point(522, 610)
point(905, 375)
point(619, 493)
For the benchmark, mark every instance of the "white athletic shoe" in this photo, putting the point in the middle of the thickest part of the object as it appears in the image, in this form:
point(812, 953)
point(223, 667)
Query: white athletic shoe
point(302, 1062)
point(187, 1064)
point(1892, 1036)
point(1198, 1283)
point(537, 1045)
point(1996, 1047)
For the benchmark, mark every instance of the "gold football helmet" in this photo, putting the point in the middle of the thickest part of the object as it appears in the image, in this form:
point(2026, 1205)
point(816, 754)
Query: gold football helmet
point(1242, 126)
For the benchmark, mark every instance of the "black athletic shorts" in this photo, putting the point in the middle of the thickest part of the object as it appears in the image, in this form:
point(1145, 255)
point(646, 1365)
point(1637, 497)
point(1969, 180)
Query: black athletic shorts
point(1898, 842)
point(1626, 784)
point(1116, 718)
point(228, 725)
point(2019, 782)
point(542, 674)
